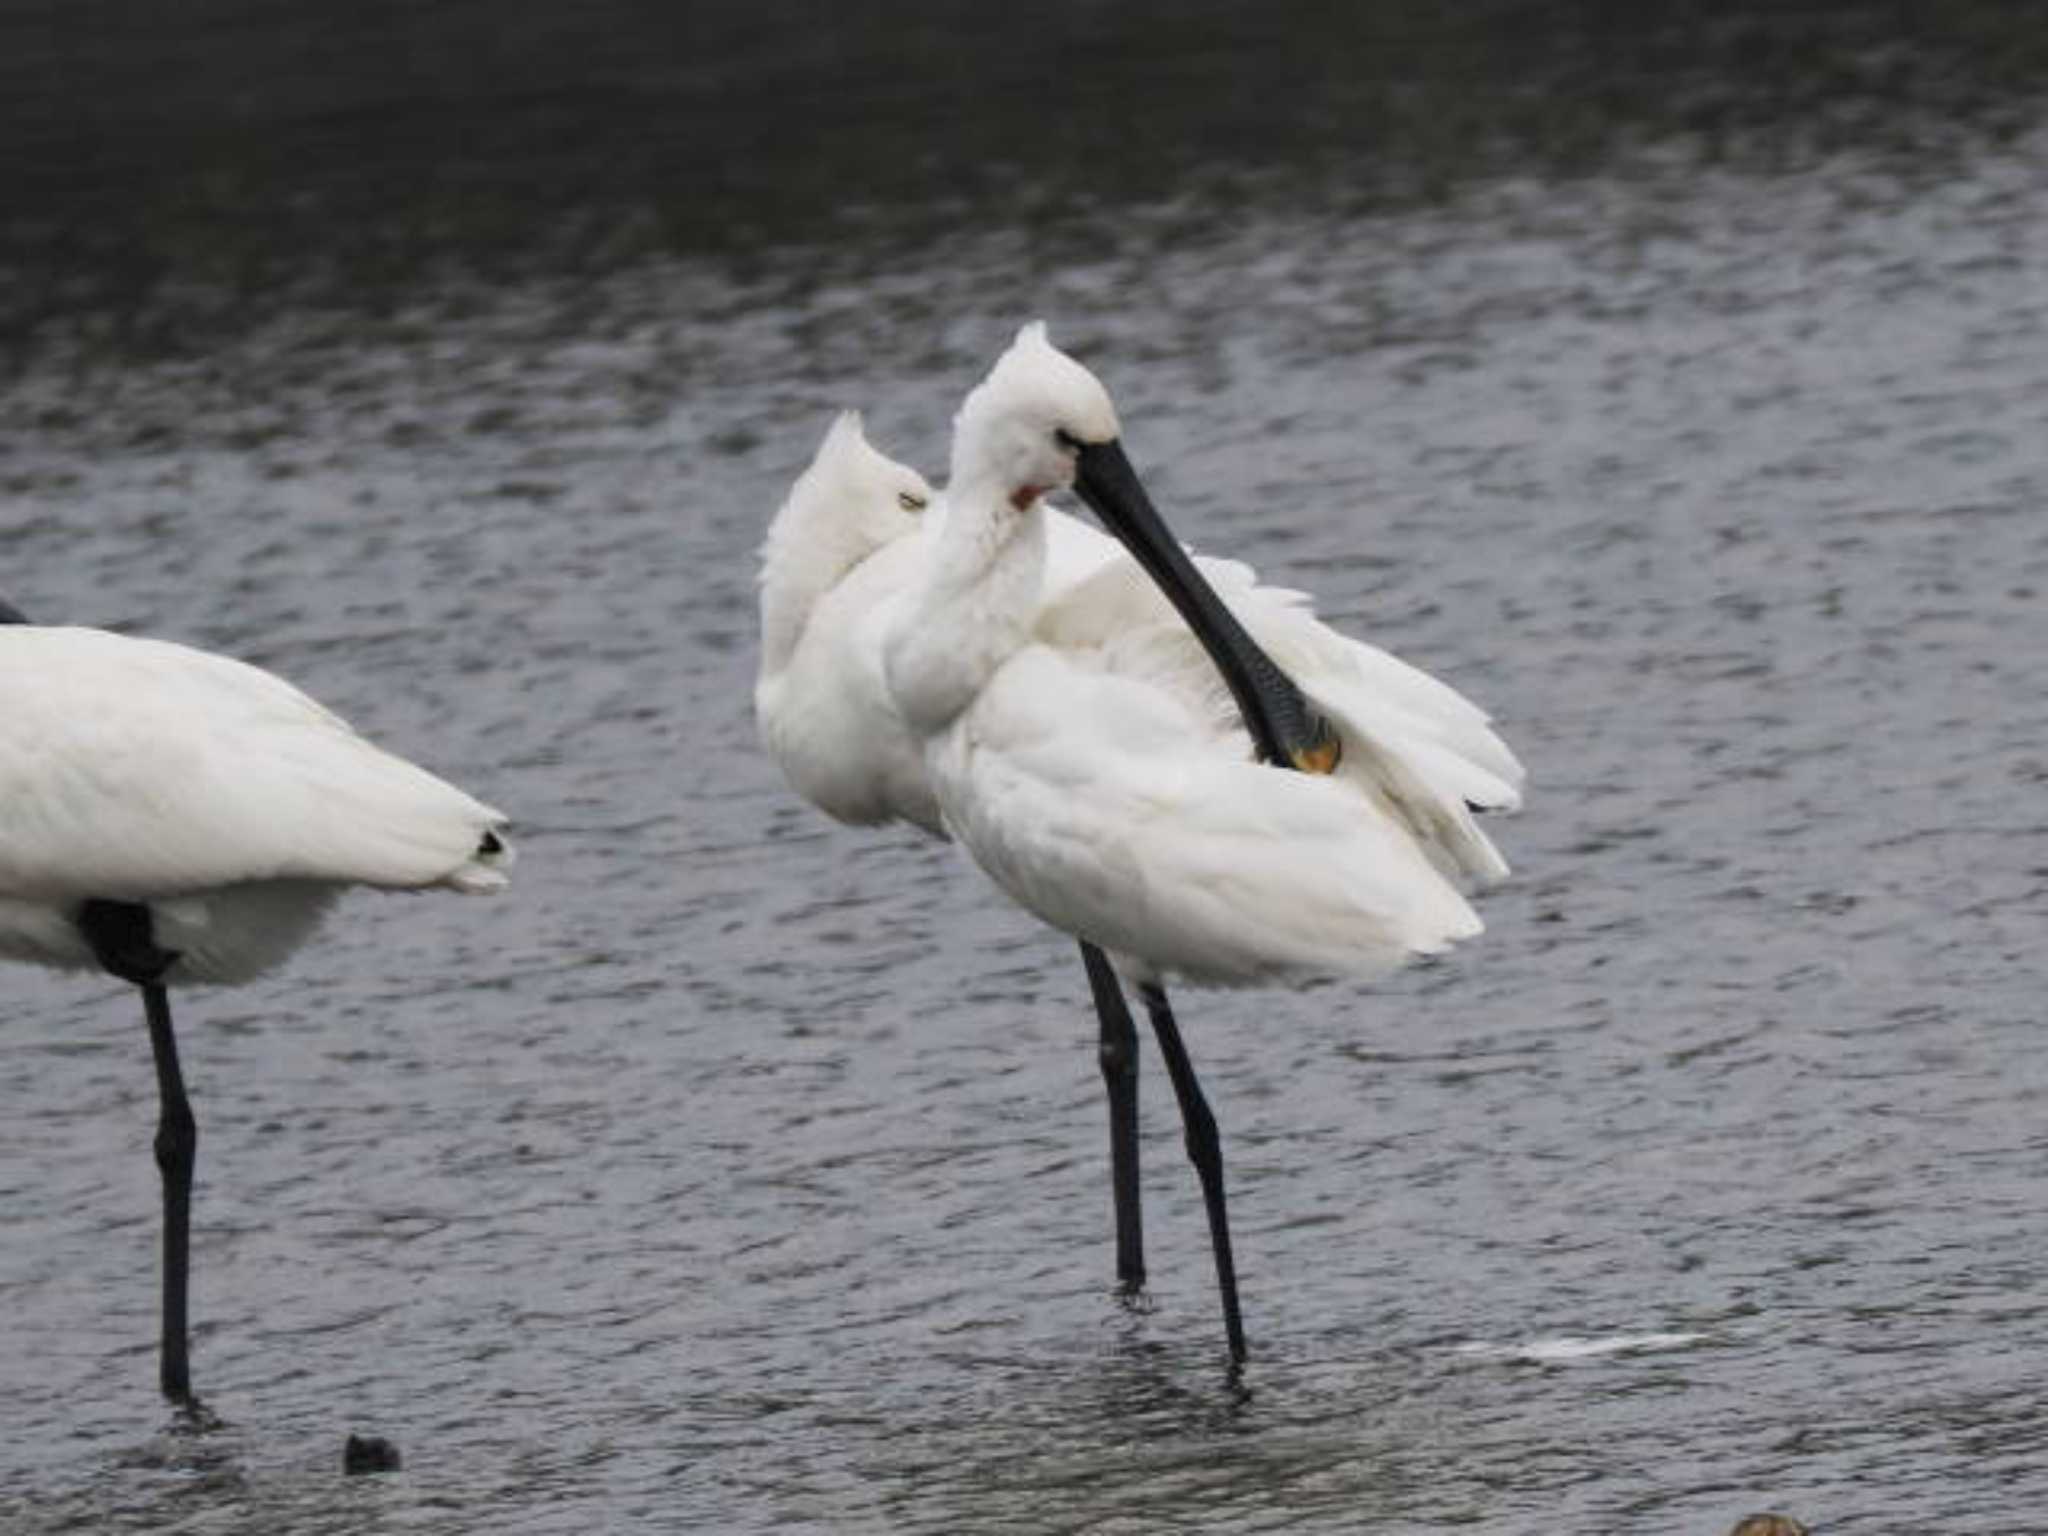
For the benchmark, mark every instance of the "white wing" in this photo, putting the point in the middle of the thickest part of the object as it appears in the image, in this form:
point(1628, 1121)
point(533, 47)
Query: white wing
point(134, 769)
point(1110, 808)
point(1418, 750)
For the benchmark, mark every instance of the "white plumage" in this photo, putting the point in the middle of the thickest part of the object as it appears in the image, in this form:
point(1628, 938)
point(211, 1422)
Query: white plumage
point(839, 556)
point(171, 816)
point(1081, 713)
point(229, 803)
point(1087, 754)
point(1097, 767)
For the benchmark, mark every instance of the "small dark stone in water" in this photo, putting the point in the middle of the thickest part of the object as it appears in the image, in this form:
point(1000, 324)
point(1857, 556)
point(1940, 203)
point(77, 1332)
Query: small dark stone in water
point(369, 1453)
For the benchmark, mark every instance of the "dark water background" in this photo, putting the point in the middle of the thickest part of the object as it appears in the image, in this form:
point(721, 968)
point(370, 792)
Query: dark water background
point(1674, 379)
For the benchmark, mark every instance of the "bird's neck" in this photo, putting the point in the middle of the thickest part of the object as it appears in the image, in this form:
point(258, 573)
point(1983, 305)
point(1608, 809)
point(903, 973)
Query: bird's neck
point(801, 561)
point(974, 607)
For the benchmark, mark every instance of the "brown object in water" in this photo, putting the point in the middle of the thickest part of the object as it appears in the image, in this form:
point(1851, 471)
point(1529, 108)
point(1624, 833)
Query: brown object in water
point(369, 1453)
point(1768, 1525)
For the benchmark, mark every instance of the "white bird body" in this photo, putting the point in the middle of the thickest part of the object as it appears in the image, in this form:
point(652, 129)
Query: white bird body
point(1100, 775)
point(840, 554)
point(1087, 715)
point(1051, 709)
point(219, 796)
point(826, 716)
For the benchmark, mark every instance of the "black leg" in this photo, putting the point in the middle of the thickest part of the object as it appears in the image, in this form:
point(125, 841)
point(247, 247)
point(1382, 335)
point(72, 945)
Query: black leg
point(1205, 1150)
point(122, 939)
point(1118, 1054)
point(177, 1144)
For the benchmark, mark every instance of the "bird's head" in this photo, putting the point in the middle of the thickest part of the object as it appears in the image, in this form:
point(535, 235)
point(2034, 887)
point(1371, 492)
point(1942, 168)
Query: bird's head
point(849, 502)
point(854, 484)
point(1041, 421)
point(1028, 424)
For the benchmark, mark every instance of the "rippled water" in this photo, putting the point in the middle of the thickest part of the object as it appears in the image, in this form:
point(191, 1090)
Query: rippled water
point(743, 1173)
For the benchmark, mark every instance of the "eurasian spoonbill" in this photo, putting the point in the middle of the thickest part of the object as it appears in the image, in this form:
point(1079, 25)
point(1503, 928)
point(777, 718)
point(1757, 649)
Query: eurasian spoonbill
point(1083, 752)
point(175, 817)
point(841, 558)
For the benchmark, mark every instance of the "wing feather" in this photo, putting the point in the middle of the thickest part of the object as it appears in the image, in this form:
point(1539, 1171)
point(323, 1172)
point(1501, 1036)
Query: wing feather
point(137, 768)
point(1422, 753)
point(1110, 809)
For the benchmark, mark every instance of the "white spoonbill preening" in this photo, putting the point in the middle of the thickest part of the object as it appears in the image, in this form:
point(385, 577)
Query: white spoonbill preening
point(175, 817)
point(1116, 790)
point(1424, 750)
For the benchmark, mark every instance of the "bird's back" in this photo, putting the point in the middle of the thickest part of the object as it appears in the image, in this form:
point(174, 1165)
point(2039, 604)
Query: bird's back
point(1420, 751)
point(1104, 778)
point(141, 770)
point(1115, 811)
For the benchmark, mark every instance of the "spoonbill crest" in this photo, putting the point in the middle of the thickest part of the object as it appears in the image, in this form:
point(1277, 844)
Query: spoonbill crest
point(179, 818)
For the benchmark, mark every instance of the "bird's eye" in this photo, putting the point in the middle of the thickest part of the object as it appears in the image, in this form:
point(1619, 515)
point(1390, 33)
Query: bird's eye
point(1067, 441)
point(909, 501)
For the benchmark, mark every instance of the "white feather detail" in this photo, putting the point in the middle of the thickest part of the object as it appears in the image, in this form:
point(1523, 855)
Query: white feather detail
point(216, 793)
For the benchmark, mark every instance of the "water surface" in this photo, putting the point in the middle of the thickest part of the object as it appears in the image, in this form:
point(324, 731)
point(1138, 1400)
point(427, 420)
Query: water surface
point(743, 1173)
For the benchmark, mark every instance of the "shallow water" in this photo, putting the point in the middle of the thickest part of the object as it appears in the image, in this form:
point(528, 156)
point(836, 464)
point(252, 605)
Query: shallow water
point(743, 1173)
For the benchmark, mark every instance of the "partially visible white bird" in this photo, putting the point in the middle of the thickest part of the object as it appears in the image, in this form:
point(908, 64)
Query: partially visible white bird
point(840, 553)
point(175, 817)
point(1081, 741)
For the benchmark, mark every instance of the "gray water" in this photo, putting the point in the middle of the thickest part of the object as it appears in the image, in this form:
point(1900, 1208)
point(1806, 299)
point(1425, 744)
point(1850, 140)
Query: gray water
point(738, 1172)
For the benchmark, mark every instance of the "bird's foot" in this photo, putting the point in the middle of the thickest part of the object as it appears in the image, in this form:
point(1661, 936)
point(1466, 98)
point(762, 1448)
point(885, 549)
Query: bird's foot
point(192, 1419)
